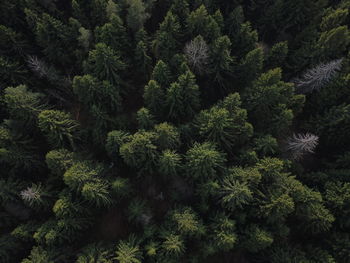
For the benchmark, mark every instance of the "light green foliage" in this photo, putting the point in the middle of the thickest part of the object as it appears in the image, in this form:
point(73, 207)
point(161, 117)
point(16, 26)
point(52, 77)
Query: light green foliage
point(38, 255)
point(223, 232)
point(95, 253)
point(334, 19)
point(187, 222)
point(145, 119)
point(128, 252)
point(22, 103)
point(235, 194)
point(97, 193)
point(335, 41)
point(58, 127)
point(81, 173)
point(257, 239)
point(167, 136)
point(173, 245)
point(140, 151)
point(169, 163)
point(204, 161)
point(58, 161)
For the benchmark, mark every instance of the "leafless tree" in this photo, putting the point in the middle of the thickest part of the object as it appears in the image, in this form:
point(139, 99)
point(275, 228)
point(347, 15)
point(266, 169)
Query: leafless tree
point(39, 67)
point(31, 194)
point(300, 144)
point(197, 53)
point(318, 77)
point(43, 70)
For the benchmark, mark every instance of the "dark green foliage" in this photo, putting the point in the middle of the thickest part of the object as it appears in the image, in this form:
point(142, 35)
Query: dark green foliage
point(182, 98)
point(144, 131)
point(58, 127)
point(104, 63)
point(225, 124)
point(140, 150)
point(271, 103)
point(204, 161)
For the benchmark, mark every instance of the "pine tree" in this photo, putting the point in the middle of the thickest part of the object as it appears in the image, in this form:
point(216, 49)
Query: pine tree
point(169, 163)
point(58, 127)
point(145, 119)
point(235, 194)
point(113, 34)
point(140, 151)
point(182, 98)
point(204, 161)
point(167, 136)
point(105, 64)
point(221, 60)
point(166, 43)
point(225, 124)
point(137, 14)
point(154, 98)
point(161, 74)
point(91, 91)
point(128, 252)
point(271, 103)
point(23, 104)
point(201, 23)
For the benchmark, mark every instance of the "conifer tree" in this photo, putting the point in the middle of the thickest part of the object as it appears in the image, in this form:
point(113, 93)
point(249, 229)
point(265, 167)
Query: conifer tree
point(105, 64)
point(204, 161)
point(58, 127)
point(182, 98)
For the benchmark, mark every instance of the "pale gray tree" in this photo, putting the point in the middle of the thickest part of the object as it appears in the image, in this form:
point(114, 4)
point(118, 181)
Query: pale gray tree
point(300, 144)
point(31, 194)
point(317, 77)
point(197, 53)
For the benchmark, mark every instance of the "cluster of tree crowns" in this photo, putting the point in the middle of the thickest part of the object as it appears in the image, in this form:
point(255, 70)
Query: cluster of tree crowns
point(174, 131)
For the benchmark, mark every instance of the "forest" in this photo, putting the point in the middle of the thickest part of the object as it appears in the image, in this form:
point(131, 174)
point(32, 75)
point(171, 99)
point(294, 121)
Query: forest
point(174, 131)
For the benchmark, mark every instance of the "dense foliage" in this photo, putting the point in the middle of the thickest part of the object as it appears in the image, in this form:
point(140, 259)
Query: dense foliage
point(174, 131)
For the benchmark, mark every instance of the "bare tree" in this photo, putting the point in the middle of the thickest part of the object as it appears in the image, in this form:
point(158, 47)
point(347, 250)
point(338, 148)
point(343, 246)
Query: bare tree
point(197, 53)
point(300, 144)
point(318, 77)
point(61, 83)
point(39, 67)
point(31, 194)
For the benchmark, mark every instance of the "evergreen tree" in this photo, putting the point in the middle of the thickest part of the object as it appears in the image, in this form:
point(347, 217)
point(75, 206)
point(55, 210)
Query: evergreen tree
point(182, 98)
point(204, 161)
point(58, 127)
point(104, 63)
